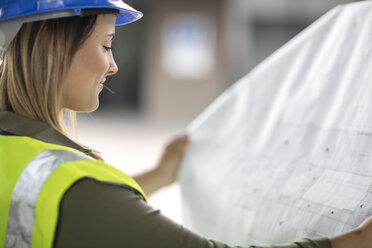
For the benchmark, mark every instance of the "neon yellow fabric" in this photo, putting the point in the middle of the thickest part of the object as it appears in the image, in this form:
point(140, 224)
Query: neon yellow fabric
point(58, 182)
point(9, 175)
point(65, 175)
point(15, 153)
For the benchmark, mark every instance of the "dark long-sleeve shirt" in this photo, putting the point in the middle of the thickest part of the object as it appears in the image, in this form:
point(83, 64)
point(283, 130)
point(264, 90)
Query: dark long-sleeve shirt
point(98, 214)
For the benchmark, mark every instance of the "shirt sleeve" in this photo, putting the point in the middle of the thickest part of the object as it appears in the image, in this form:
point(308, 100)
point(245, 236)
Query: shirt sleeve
point(95, 214)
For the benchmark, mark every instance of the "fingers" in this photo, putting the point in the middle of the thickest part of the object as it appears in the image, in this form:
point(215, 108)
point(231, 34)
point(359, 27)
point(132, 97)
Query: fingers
point(183, 141)
point(179, 143)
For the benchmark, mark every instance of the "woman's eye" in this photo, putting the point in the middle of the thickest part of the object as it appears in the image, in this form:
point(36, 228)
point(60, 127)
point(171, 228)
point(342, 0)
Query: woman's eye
point(107, 48)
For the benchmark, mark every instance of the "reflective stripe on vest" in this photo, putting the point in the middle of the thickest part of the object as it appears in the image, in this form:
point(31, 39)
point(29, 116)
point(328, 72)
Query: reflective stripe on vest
point(22, 207)
point(34, 177)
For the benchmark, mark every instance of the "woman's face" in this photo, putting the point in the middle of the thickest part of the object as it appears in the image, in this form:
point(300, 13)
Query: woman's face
point(90, 66)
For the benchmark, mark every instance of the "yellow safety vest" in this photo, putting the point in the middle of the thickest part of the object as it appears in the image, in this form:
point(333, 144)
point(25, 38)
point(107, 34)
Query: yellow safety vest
point(34, 176)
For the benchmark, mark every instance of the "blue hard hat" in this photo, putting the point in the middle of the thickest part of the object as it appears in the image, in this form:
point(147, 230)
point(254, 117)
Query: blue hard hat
point(13, 13)
point(10, 9)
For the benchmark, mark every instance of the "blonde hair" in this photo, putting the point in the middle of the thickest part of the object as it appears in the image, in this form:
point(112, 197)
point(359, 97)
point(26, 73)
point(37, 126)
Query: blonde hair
point(35, 65)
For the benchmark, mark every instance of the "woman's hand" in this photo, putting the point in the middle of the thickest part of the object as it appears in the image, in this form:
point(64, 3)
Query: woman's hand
point(171, 159)
point(165, 173)
point(366, 232)
point(360, 237)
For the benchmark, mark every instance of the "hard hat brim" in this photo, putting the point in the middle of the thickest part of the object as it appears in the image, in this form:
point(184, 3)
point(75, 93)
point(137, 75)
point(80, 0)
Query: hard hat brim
point(127, 13)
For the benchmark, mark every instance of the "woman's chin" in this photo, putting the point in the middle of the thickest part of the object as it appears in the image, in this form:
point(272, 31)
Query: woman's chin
point(84, 109)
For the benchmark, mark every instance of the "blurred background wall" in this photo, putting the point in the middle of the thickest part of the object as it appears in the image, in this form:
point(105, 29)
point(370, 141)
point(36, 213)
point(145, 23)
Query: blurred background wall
point(182, 54)
point(174, 62)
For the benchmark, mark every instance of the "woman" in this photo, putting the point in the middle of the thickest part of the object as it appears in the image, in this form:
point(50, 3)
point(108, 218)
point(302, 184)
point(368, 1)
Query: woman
point(55, 192)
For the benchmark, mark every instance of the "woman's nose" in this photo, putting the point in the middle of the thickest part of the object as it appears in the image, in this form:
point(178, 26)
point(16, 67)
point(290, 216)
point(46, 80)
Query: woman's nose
point(113, 69)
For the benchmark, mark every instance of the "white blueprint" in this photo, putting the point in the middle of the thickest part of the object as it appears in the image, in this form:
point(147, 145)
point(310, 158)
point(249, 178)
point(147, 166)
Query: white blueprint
point(286, 152)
